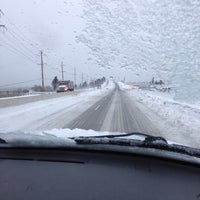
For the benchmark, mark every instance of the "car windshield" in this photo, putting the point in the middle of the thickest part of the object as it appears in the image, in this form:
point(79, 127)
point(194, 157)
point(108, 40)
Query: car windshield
point(91, 68)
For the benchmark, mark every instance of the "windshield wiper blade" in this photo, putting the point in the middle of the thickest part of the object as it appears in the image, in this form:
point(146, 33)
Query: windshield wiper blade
point(148, 138)
point(149, 142)
point(115, 136)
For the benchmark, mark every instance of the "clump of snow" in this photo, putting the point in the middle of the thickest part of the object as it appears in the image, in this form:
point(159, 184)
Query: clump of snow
point(57, 136)
point(124, 86)
point(105, 84)
point(108, 84)
point(66, 133)
point(111, 85)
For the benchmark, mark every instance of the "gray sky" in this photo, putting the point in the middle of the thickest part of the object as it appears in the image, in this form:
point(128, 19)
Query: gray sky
point(51, 26)
point(135, 39)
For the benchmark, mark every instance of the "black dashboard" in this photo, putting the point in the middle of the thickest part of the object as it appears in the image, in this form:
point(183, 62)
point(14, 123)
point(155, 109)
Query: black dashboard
point(27, 174)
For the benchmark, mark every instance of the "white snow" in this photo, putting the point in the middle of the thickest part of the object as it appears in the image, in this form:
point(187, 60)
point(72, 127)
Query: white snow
point(124, 86)
point(179, 122)
point(109, 84)
point(31, 116)
point(17, 97)
point(57, 136)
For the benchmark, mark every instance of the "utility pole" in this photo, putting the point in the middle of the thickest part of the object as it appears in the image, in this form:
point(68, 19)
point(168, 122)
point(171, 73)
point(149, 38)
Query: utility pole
point(1, 13)
point(62, 71)
point(82, 79)
point(1, 25)
point(42, 68)
point(75, 77)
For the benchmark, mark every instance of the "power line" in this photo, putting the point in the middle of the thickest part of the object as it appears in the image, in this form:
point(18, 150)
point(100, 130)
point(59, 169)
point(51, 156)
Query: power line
point(17, 51)
point(11, 84)
point(19, 34)
point(11, 50)
point(11, 43)
point(27, 49)
point(76, 76)
point(14, 47)
point(19, 42)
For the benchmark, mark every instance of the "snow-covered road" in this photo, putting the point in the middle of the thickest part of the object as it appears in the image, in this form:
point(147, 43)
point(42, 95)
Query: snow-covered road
point(106, 109)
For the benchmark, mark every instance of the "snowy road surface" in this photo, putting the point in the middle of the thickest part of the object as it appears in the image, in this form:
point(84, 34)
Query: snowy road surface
point(116, 113)
point(107, 109)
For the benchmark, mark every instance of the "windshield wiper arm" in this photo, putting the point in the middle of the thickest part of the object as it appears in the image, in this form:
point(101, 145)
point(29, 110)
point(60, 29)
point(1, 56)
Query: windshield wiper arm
point(119, 135)
point(125, 135)
point(149, 142)
point(148, 138)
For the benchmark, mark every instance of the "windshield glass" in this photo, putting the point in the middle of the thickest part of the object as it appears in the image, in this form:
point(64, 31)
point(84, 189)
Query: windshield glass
point(86, 67)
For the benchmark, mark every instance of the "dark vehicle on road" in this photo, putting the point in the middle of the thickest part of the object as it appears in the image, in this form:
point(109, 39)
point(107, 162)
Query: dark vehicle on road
point(65, 86)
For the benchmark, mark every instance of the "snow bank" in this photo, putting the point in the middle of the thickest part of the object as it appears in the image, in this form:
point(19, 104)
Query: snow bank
point(105, 84)
point(111, 85)
point(183, 117)
point(108, 84)
point(17, 97)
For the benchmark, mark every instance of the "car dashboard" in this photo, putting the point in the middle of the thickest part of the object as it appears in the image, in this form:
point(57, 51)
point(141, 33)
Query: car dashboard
point(50, 173)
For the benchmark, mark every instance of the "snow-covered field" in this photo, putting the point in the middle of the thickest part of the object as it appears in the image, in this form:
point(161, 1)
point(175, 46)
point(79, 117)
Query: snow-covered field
point(177, 121)
point(16, 97)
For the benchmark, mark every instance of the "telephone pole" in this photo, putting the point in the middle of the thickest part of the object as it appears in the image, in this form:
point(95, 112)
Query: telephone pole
point(2, 25)
point(82, 79)
point(62, 71)
point(42, 68)
point(75, 77)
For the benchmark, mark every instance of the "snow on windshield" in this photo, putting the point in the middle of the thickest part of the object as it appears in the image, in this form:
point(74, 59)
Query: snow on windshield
point(131, 65)
point(147, 37)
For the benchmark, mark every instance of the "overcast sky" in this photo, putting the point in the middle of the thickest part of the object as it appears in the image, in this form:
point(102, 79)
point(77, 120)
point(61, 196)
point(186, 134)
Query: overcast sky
point(135, 39)
point(50, 26)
